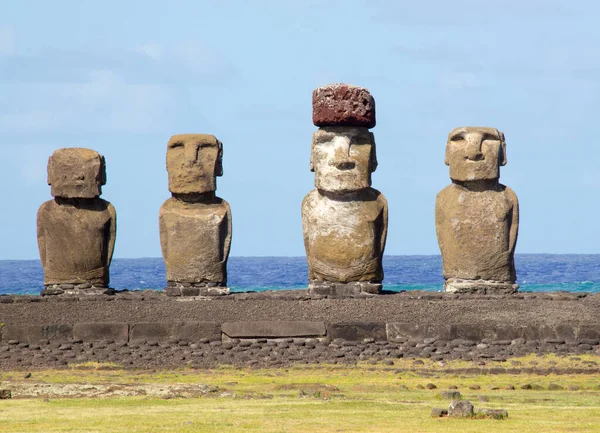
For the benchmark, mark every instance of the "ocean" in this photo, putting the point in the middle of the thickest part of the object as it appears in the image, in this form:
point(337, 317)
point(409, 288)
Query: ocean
point(536, 272)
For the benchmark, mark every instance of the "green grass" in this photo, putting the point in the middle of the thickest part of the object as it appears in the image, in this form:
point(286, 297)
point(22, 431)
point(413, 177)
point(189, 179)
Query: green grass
point(364, 398)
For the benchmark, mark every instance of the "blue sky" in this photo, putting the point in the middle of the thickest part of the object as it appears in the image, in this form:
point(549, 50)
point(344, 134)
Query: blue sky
point(122, 77)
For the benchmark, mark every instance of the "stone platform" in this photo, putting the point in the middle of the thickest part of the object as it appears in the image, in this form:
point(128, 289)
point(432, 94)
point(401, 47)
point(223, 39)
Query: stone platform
point(150, 329)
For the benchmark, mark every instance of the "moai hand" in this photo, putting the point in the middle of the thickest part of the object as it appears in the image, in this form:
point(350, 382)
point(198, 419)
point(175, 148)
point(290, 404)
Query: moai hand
point(476, 217)
point(344, 220)
point(77, 230)
point(195, 225)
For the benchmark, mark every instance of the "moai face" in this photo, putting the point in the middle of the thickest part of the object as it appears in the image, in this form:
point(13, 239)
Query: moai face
point(475, 153)
point(343, 158)
point(193, 162)
point(76, 173)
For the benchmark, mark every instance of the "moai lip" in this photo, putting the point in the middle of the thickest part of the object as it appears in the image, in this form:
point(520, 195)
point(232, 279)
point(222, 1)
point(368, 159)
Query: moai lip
point(344, 220)
point(77, 230)
point(477, 218)
point(343, 105)
point(195, 225)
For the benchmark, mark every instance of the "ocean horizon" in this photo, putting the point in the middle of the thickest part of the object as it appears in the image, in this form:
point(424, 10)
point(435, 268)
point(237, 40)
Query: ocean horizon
point(535, 273)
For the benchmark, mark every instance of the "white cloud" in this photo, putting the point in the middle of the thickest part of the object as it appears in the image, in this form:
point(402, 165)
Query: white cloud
point(7, 41)
point(154, 51)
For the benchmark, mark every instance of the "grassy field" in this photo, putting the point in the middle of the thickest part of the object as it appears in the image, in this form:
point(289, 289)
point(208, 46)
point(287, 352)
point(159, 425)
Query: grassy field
point(364, 398)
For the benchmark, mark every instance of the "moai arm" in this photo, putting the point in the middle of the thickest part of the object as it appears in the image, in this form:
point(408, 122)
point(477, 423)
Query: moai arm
point(305, 226)
point(112, 233)
point(164, 234)
point(384, 229)
point(227, 243)
point(441, 232)
point(41, 233)
point(514, 226)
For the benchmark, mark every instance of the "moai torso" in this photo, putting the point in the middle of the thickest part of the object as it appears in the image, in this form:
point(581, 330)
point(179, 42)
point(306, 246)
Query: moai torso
point(344, 220)
point(195, 225)
point(195, 239)
point(344, 239)
point(476, 217)
point(76, 230)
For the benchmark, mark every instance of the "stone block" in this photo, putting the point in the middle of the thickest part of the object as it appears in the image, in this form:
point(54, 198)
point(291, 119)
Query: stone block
point(411, 331)
point(107, 331)
point(473, 331)
point(589, 331)
point(180, 331)
point(273, 329)
point(567, 331)
point(508, 332)
point(34, 333)
point(357, 331)
point(343, 105)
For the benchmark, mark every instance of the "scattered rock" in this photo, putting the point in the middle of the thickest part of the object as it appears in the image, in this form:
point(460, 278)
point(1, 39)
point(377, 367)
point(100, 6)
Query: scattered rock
point(451, 395)
point(460, 409)
point(437, 412)
point(492, 413)
point(5, 394)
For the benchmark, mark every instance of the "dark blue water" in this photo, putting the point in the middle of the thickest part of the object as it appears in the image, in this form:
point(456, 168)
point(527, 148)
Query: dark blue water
point(536, 272)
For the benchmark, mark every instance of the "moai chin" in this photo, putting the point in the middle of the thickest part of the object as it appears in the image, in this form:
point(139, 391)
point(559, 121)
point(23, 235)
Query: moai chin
point(476, 217)
point(76, 231)
point(195, 224)
point(344, 220)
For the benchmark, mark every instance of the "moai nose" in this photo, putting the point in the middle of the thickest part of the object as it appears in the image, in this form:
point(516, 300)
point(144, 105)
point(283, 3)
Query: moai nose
point(191, 153)
point(474, 147)
point(341, 157)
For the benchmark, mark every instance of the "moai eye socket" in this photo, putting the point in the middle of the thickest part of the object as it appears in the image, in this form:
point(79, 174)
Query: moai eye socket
point(175, 145)
point(457, 137)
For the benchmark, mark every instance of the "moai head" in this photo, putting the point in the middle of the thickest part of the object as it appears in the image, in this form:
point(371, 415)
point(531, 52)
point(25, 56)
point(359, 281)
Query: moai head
point(343, 149)
point(193, 162)
point(76, 173)
point(475, 153)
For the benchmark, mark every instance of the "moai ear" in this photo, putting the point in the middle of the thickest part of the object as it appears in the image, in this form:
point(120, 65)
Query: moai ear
point(312, 150)
point(102, 177)
point(373, 160)
point(50, 171)
point(219, 163)
point(502, 155)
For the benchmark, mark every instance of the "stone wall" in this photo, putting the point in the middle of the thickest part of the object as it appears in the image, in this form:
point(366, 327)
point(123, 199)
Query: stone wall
point(151, 329)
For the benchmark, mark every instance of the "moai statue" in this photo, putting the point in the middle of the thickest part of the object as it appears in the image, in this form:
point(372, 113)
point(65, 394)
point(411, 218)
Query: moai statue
point(195, 224)
point(76, 231)
point(476, 217)
point(344, 220)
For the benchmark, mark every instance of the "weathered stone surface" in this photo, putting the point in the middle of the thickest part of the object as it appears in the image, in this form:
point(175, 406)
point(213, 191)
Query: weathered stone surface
point(76, 173)
point(180, 331)
point(5, 394)
point(343, 105)
point(477, 218)
point(344, 220)
point(195, 225)
point(451, 394)
point(492, 413)
point(34, 333)
point(77, 230)
point(408, 331)
point(357, 331)
point(437, 412)
point(115, 331)
point(343, 290)
point(268, 329)
point(460, 409)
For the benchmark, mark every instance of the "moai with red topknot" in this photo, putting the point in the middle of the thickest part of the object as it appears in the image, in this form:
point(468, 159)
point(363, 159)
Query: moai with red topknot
point(76, 231)
point(344, 220)
point(195, 224)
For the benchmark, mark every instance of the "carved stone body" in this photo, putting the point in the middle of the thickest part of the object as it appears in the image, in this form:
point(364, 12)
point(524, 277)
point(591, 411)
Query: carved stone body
point(77, 230)
point(195, 240)
point(195, 225)
point(477, 218)
point(344, 220)
point(345, 236)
